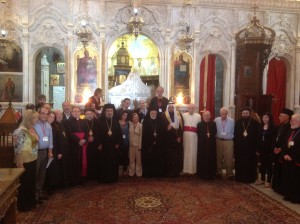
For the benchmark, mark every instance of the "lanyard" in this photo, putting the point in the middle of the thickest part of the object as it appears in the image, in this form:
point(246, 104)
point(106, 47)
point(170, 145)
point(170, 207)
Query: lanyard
point(223, 124)
point(43, 126)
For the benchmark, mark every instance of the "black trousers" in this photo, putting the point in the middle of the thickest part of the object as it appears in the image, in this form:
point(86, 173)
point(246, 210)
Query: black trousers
point(26, 193)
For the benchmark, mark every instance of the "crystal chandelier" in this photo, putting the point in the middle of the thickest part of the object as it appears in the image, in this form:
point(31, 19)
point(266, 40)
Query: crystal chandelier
point(84, 34)
point(186, 40)
point(135, 23)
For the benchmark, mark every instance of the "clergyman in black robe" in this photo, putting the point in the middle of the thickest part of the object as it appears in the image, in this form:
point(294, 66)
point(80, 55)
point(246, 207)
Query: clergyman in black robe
point(77, 139)
point(109, 144)
point(63, 140)
point(159, 102)
point(245, 147)
point(291, 162)
point(91, 151)
point(279, 138)
point(172, 140)
point(207, 152)
point(152, 154)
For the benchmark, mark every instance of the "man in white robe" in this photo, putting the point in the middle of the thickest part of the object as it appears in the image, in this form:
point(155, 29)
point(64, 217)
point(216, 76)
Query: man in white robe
point(190, 140)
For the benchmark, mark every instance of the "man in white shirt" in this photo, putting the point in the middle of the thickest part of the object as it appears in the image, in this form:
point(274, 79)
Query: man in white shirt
point(225, 134)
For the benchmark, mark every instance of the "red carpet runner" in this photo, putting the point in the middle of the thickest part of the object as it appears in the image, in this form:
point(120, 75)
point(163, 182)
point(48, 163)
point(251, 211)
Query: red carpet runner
point(184, 200)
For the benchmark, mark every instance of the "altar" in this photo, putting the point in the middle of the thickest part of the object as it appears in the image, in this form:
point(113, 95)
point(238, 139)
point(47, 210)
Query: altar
point(9, 184)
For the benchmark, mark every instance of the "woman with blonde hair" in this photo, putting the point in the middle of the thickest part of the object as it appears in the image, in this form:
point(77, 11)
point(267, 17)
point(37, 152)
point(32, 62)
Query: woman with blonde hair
point(25, 142)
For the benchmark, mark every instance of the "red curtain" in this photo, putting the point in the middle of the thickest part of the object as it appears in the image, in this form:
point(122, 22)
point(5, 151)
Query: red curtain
point(276, 85)
point(207, 83)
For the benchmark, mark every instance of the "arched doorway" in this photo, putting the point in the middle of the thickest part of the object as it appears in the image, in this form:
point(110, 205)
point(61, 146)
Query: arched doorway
point(143, 59)
point(50, 76)
point(211, 84)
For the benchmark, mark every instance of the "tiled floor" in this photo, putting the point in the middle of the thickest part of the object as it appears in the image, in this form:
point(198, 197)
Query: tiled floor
point(277, 197)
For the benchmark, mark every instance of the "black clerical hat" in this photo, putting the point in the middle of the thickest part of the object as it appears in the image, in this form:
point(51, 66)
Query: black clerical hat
point(89, 109)
point(108, 106)
point(246, 108)
point(152, 108)
point(287, 112)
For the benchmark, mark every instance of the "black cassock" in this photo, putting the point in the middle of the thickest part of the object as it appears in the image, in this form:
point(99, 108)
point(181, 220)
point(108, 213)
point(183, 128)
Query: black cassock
point(173, 150)
point(92, 151)
point(110, 137)
point(54, 170)
point(245, 148)
point(207, 154)
point(279, 139)
point(65, 161)
point(152, 154)
point(74, 126)
point(159, 104)
point(291, 169)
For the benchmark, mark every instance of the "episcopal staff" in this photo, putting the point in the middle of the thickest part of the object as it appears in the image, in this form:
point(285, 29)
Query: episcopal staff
point(172, 139)
point(207, 155)
point(77, 137)
point(190, 140)
point(109, 143)
point(291, 162)
point(245, 147)
point(280, 135)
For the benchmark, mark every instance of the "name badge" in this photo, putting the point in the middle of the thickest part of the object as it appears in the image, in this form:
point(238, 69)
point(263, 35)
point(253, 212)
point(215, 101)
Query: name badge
point(159, 110)
point(45, 139)
point(124, 136)
point(223, 133)
point(291, 143)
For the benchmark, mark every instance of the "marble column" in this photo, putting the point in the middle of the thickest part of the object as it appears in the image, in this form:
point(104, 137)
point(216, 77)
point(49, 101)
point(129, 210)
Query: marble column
point(232, 79)
point(297, 80)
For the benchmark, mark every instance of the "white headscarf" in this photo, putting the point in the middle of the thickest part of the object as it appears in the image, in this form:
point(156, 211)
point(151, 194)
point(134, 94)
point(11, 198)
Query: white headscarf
point(175, 124)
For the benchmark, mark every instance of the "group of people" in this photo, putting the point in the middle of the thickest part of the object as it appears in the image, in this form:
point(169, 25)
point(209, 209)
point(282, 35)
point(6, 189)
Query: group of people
point(59, 149)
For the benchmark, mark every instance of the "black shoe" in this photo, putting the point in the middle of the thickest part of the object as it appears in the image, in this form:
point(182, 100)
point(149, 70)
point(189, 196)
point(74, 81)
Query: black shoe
point(43, 197)
point(39, 201)
point(231, 178)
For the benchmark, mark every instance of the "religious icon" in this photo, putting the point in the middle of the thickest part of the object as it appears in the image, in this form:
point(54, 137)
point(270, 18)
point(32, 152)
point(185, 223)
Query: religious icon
point(11, 88)
point(54, 80)
point(87, 68)
point(60, 67)
point(181, 72)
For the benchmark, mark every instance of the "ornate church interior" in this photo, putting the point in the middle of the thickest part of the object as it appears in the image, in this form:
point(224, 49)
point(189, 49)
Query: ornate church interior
point(212, 53)
point(197, 50)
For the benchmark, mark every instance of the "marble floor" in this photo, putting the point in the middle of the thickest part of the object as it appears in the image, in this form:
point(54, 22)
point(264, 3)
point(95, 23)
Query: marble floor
point(277, 197)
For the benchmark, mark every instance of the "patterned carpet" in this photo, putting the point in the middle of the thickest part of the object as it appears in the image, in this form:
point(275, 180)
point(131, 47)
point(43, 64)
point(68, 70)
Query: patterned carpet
point(185, 200)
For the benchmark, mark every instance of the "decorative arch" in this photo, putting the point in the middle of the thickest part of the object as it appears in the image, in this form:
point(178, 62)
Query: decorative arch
point(146, 62)
point(49, 70)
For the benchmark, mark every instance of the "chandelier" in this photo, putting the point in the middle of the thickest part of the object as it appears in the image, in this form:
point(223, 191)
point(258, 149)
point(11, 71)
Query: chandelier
point(84, 34)
point(186, 39)
point(135, 23)
point(3, 36)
